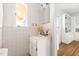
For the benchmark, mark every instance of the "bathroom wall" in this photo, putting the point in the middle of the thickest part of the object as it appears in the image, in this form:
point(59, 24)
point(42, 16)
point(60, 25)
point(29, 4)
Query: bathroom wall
point(33, 17)
point(9, 19)
point(14, 38)
point(1, 19)
point(53, 30)
point(33, 10)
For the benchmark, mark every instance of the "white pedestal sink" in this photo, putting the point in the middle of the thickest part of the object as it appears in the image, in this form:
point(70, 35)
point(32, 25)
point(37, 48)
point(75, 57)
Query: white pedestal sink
point(3, 52)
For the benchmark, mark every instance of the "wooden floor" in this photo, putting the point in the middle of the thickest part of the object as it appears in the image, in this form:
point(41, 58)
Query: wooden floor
point(71, 49)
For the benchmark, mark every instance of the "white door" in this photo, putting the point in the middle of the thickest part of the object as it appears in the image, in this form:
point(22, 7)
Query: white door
point(58, 30)
point(67, 34)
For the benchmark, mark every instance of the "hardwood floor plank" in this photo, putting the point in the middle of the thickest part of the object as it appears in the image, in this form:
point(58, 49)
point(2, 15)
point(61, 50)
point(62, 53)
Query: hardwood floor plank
point(71, 49)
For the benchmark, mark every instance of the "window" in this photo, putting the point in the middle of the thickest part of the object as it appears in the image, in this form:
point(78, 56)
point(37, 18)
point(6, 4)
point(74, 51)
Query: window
point(21, 19)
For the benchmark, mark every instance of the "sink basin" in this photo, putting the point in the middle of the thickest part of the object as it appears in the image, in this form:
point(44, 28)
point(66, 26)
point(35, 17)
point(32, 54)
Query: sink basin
point(3, 51)
point(39, 36)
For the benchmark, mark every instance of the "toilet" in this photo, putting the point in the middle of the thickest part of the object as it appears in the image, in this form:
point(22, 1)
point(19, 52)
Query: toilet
point(3, 51)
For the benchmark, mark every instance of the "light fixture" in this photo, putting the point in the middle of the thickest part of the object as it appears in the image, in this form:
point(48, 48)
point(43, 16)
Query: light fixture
point(44, 5)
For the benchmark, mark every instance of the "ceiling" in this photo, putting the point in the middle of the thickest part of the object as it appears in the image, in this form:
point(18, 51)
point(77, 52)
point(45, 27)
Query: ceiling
point(68, 7)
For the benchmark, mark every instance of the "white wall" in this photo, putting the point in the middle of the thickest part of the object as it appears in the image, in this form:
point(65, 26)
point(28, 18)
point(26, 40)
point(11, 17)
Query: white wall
point(14, 38)
point(1, 22)
point(9, 15)
point(1, 15)
point(53, 30)
point(33, 10)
